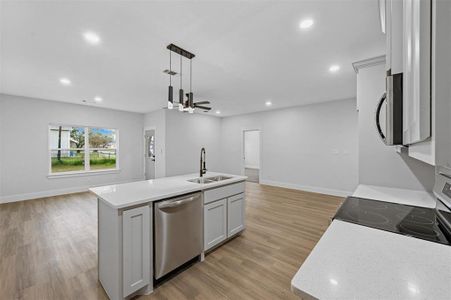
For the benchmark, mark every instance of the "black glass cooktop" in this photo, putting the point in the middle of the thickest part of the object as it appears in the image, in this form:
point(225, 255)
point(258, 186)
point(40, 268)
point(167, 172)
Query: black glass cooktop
point(418, 222)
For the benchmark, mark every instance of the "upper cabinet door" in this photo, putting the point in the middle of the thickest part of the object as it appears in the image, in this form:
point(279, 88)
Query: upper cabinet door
point(393, 18)
point(417, 71)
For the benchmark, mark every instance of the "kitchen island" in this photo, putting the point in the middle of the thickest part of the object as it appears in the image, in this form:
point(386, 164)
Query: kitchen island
point(126, 224)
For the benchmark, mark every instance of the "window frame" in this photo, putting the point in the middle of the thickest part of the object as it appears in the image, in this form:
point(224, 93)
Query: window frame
point(87, 167)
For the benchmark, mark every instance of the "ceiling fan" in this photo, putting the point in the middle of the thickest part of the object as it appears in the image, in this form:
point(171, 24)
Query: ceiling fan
point(199, 104)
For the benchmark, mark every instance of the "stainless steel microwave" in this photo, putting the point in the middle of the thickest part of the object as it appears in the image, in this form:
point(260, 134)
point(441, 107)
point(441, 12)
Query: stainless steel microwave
point(389, 122)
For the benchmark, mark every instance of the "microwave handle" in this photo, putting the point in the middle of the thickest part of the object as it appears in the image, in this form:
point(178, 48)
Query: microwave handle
point(378, 113)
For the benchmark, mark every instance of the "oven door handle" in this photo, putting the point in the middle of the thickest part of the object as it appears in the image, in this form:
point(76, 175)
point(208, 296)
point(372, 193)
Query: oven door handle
point(378, 113)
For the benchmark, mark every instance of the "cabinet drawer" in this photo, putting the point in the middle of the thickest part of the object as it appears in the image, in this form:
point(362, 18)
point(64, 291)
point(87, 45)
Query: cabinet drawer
point(223, 192)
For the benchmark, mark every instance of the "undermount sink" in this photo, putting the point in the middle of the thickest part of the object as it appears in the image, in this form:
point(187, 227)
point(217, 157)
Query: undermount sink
point(218, 178)
point(201, 180)
point(206, 180)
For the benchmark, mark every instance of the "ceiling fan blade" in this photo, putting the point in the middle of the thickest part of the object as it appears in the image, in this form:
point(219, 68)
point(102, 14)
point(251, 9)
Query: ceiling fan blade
point(202, 107)
point(202, 102)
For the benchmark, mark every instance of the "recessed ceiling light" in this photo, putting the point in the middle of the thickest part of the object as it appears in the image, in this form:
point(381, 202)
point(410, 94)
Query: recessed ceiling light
point(268, 103)
point(334, 68)
point(91, 37)
point(65, 81)
point(98, 99)
point(218, 112)
point(305, 24)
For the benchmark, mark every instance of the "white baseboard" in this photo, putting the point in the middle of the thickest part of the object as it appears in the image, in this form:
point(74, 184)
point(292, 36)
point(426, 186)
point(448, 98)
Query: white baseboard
point(314, 189)
point(51, 193)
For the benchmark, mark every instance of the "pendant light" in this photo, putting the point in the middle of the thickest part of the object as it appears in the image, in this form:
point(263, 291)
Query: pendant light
point(190, 96)
point(170, 91)
point(185, 104)
point(181, 104)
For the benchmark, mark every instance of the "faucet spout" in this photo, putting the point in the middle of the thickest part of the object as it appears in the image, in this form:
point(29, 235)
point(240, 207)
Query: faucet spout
point(203, 166)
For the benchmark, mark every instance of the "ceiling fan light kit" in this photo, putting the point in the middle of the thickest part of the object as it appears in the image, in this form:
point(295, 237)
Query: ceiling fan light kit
point(187, 105)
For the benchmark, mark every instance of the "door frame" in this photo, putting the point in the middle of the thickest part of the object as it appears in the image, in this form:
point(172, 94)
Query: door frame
point(260, 133)
point(144, 149)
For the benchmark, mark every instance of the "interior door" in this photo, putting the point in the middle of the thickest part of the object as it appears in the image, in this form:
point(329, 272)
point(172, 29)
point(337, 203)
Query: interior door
point(251, 155)
point(150, 153)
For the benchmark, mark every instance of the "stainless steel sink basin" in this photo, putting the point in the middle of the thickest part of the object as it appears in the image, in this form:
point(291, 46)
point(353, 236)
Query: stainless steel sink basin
point(206, 180)
point(201, 180)
point(218, 178)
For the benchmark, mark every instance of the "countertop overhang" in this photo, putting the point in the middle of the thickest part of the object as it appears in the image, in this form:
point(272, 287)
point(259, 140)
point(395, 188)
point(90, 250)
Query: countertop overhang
point(119, 196)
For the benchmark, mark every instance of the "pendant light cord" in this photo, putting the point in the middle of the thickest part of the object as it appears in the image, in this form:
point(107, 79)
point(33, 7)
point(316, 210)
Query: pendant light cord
point(190, 74)
point(181, 72)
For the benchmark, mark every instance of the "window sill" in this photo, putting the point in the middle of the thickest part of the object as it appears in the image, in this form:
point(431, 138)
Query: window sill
point(83, 173)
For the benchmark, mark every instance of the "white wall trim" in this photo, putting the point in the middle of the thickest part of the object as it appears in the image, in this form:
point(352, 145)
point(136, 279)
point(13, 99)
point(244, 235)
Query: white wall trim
point(313, 189)
point(51, 193)
point(369, 62)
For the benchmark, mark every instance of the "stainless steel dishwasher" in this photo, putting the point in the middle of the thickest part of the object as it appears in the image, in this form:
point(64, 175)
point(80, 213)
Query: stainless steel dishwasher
point(178, 232)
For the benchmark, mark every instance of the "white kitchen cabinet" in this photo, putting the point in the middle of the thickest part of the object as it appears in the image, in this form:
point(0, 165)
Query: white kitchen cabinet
point(125, 250)
point(136, 249)
point(215, 223)
point(437, 149)
point(224, 213)
point(235, 214)
point(408, 51)
point(223, 192)
point(393, 35)
point(417, 71)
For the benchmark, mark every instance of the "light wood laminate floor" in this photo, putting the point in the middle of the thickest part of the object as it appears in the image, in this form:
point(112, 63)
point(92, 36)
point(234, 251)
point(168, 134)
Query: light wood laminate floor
point(48, 249)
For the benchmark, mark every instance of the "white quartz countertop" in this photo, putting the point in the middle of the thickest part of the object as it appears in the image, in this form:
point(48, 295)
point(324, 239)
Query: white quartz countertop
point(355, 262)
point(129, 194)
point(396, 195)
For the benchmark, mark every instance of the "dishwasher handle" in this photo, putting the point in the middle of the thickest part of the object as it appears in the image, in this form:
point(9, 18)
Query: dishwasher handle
point(175, 203)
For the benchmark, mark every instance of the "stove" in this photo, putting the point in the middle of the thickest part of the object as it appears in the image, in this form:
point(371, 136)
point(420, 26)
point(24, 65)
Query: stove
point(418, 222)
point(430, 224)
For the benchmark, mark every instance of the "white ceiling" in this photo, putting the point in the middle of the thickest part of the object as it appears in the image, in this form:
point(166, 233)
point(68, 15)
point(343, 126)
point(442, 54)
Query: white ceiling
point(247, 52)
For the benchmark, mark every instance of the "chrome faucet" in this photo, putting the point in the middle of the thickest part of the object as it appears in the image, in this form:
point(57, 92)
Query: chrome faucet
point(203, 168)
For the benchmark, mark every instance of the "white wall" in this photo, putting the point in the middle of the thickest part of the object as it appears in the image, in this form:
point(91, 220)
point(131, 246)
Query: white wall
point(311, 147)
point(378, 163)
point(157, 120)
point(252, 149)
point(24, 146)
point(186, 134)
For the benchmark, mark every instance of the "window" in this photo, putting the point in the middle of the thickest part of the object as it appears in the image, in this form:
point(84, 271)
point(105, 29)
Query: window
point(81, 149)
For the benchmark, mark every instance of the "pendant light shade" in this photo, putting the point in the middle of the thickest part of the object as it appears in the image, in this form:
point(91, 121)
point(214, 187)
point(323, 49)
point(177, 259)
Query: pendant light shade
point(190, 95)
point(181, 105)
point(190, 103)
point(170, 98)
point(170, 90)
